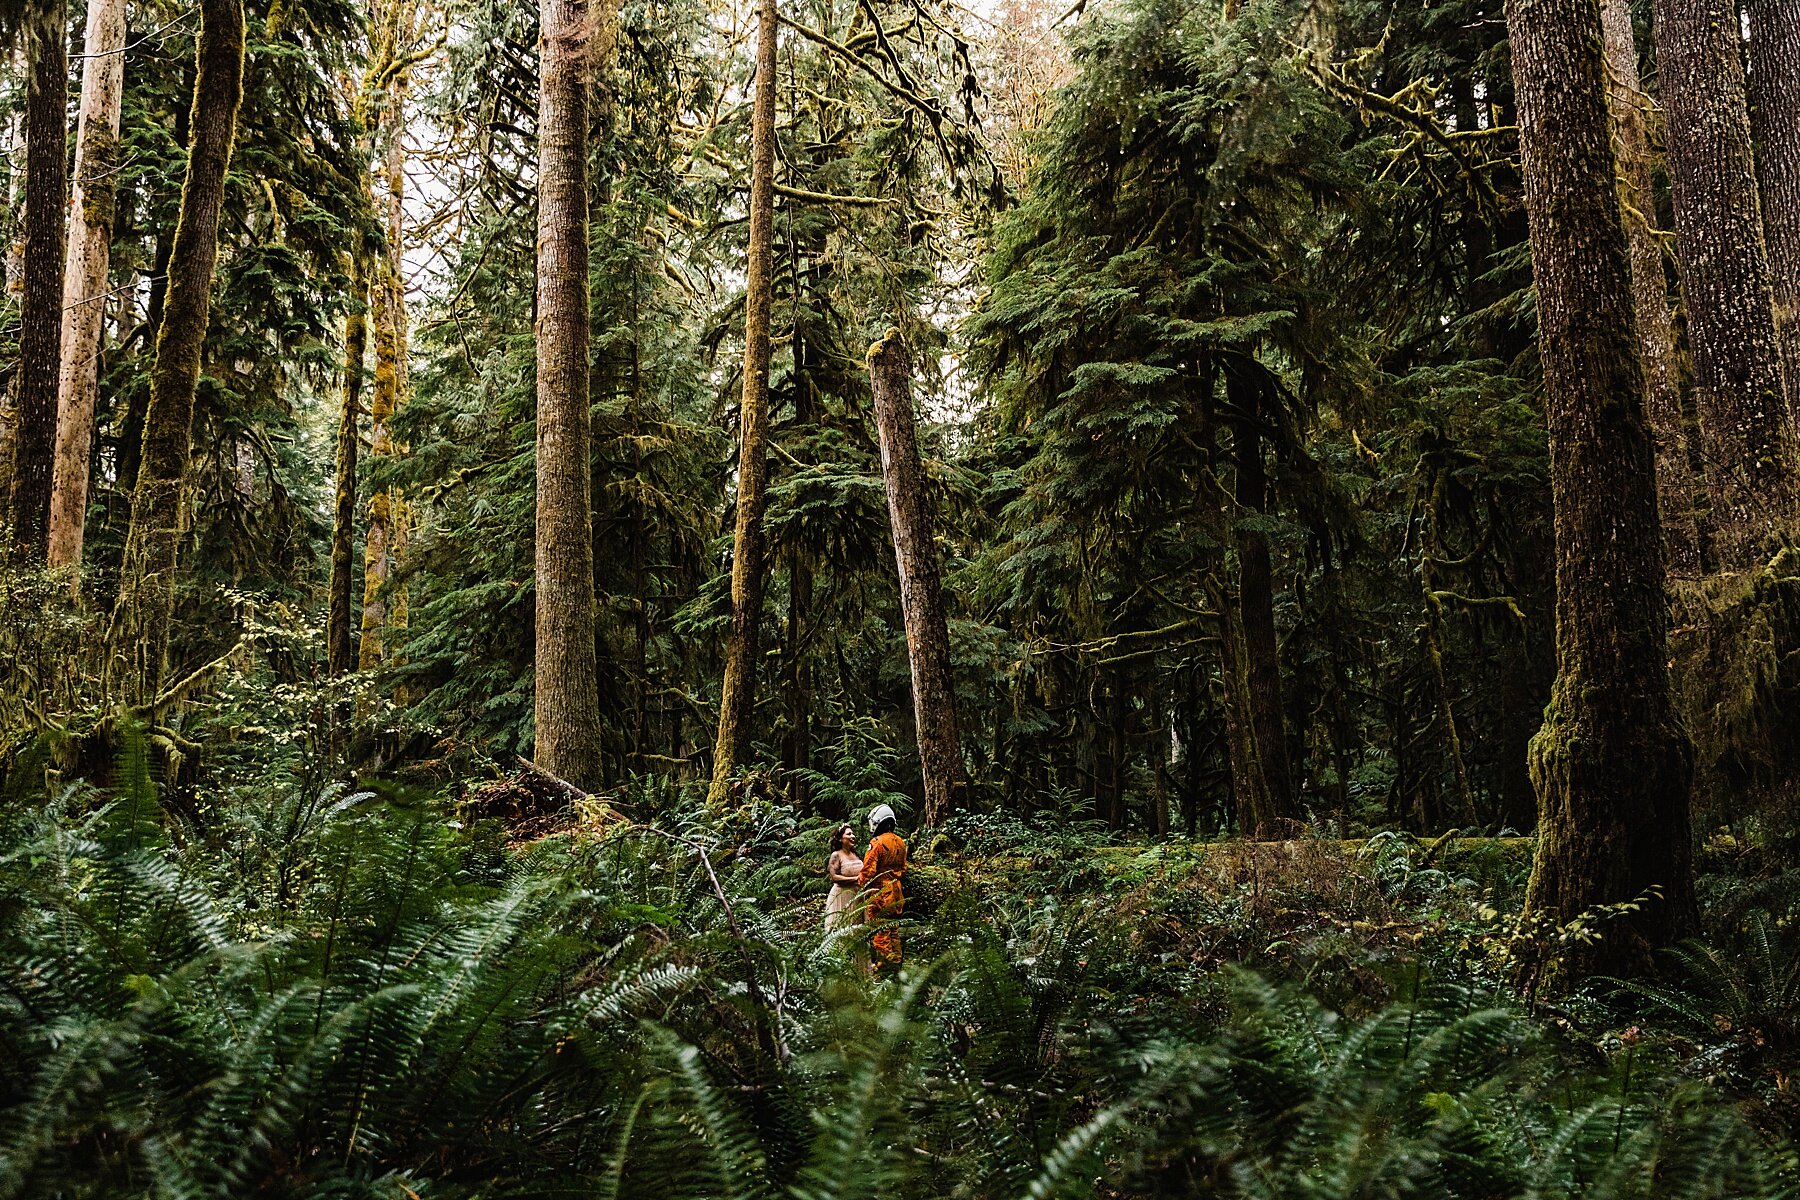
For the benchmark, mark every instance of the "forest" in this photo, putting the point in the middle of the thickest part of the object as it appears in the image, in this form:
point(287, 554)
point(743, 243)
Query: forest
point(827, 599)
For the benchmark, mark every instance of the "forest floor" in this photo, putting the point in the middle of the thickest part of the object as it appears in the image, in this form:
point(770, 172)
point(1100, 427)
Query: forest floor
point(297, 991)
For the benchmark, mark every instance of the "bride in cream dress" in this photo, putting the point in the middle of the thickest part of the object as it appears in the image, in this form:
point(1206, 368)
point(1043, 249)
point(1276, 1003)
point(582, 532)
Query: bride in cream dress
point(842, 866)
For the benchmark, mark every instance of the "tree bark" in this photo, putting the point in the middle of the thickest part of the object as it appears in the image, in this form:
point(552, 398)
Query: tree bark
point(737, 691)
point(1747, 436)
point(339, 644)
point(1775, 123)
point(84, 283)
point(384, 599)
point(921, 582)
point(378, 538)
point(1655, 326)
point(40, 305)
point(1612, 764)
point(146, 601)
point(14, 265)
point(1264, 722)
point(567, 722)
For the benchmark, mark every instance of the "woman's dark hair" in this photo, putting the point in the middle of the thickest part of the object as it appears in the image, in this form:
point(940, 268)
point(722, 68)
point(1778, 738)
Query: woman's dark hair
point(886, 826)
point(837, 835)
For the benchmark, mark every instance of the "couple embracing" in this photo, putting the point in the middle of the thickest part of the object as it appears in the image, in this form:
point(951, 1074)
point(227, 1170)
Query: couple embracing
point(878, 872)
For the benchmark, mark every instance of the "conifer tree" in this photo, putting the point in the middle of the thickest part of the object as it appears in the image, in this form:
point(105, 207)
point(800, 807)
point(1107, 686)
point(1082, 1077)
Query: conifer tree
point(84, 283)
point(141, 618)
point(339, 644)
point(1655, 326)
point(1775, 124)
point(1751, 454)
point(921, 580)
point(1612, 764)
point(33, 431)
point(737, 692)
point(567, 716)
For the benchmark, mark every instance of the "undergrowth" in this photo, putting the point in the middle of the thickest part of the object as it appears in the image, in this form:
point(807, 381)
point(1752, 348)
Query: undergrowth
point(318, 990)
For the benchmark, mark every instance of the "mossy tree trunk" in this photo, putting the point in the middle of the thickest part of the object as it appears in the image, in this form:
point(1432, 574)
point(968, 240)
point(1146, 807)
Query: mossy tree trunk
point(737, 690)
point(84, 281)
point(340, 645)
point(1775, 123)
point(33, 431)
point(1747, 437)
point(797, 753)
point(1675, 483)
point(146, 601)
point(384, 597)
point(1263, 723)
point(1612, 764)
point(921, 580)
point(567, 722)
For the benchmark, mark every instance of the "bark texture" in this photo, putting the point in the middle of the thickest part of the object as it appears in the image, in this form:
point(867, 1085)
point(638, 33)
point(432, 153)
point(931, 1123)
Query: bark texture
point(1747, 438)
point(40, 304)
point(567, 730)
point(737, 692)
point(13, 265)
point(921, 580)
point(1675, 483)
point(84, 281)
point(140, 632)
point(339, 644)
point(1612, 764)
point(1269, 803)
point(1775, 123)
point(378, 543)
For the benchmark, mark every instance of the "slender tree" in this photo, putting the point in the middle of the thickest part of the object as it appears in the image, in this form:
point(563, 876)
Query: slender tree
point(1750, 451)
point(921, 582)
point(40, 304)
point(1612, 763)
point(13, 264)
point(386, 519)
point(737, 692)
point(1269, 804)
point(567, 717)
point(339, 644)
point(1775, 123)
point(1650, 291)
point(381, 106)
point(84, 281)
point(146, 601)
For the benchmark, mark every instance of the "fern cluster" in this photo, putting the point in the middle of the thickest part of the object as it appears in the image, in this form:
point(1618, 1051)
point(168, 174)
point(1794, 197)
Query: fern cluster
point(360, 994)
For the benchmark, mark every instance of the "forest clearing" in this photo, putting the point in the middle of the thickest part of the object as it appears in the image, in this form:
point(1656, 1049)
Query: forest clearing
point(907, 598)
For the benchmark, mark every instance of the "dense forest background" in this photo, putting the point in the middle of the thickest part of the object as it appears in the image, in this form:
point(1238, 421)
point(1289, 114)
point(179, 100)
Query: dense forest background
point(1294, 502)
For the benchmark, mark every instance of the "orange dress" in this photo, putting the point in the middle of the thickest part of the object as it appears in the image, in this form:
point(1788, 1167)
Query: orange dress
point(882, 869)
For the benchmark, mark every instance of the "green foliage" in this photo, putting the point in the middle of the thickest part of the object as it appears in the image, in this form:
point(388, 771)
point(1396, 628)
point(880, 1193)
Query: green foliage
point(352, 995)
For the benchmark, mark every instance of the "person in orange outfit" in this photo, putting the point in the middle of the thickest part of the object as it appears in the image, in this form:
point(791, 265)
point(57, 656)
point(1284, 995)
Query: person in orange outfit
point(882, 869)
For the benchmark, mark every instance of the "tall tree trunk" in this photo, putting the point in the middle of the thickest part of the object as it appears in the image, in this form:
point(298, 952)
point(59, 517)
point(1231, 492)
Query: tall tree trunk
point(797, 753)
point(40, 306)
point(737, 691)
point(921, 581)
point(84, 283)
point(1612, 764)
point(1650, 291)
point(384, 599)
point(378, 540)
point(1775, 122)
point(14, 267)
point(146, 601)
point(567, 728)
point(1264, 721)
point(339, 644)
point(1750, 450)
